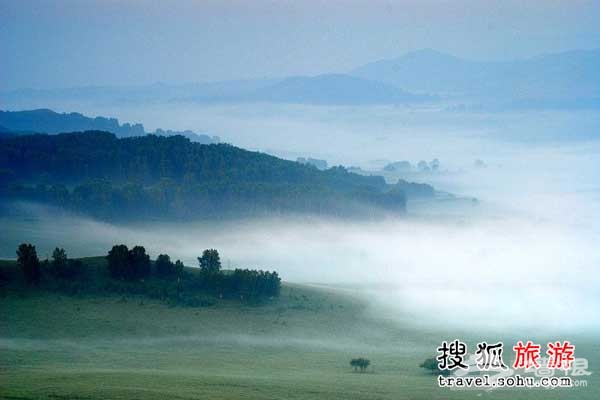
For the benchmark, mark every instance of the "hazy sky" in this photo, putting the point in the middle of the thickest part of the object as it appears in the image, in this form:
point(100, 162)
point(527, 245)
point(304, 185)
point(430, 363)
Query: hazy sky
point(62, 43)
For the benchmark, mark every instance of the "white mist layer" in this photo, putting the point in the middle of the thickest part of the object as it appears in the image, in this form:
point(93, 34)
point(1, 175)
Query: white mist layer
point(526, 257)
point(489, 272)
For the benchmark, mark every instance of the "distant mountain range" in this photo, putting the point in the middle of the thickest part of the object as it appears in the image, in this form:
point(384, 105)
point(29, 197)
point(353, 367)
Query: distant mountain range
point(332, 89)
point(328, 89)
point(48, 121)
point(568, 79)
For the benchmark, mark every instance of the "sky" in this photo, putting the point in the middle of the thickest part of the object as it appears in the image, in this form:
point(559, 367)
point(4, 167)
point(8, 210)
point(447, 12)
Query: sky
point(69, 43)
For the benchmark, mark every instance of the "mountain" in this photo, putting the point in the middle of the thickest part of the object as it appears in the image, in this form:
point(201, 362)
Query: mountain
point(333, 89)
point(559, 80)
point(555, 79)
point(154, 177)
point(154, 93)
point(48, 121)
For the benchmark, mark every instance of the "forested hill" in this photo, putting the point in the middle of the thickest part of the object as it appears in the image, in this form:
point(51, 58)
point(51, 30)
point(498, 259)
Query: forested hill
point(153, 176)
point(48, 121)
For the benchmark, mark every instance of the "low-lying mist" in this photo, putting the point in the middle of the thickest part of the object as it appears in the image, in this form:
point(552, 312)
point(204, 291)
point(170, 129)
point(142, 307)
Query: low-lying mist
point(484, 270)
point(524, 256)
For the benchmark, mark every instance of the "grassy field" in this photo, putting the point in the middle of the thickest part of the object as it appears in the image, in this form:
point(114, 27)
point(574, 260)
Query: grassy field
point(54, 346)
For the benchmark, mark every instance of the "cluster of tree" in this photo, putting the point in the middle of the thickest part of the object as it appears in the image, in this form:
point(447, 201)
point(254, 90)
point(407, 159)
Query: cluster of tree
point(243, 283)
point(360, 364)
point(406, 166)
point(166, 269)
point(134, 269)
point(134, 264)
point(413, 189)
point(48, 121)
point(320, 164)
point(63, 267)
point(128, 264)
point(99, 174)
point(60, 266)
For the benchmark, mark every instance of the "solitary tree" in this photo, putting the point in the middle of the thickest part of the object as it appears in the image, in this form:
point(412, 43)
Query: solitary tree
point(29, 262)
point(431, 364)
point(360, 364)
point(210, 262)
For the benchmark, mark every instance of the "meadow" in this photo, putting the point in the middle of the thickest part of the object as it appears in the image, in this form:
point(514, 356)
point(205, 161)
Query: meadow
point(57, 346)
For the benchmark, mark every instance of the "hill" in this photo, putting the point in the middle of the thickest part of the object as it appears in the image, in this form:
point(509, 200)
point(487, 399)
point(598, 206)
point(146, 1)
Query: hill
point(171, 177)
point(57, 346)
point(560, 79)
point(334, 89)
point(325, 89)
point(48, 121)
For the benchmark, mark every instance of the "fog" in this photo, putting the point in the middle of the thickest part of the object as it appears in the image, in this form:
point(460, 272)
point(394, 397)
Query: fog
point(525, 255)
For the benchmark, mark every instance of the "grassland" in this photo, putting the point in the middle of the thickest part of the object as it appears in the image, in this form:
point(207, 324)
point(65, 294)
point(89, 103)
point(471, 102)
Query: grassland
point(54, 346)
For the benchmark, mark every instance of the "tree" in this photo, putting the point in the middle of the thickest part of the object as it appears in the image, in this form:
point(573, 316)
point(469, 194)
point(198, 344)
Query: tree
point(431, 364)
point(62, 266)
point(164, 267)
point(59, 262)
point(29, 262)
point(139, 263)
point(360, 364)
point(59, 257)
point(178, 268)
point(210, 262)
point(118, 261)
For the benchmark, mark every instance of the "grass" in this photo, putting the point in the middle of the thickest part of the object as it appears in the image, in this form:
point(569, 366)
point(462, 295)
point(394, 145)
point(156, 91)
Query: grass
point(54, 346)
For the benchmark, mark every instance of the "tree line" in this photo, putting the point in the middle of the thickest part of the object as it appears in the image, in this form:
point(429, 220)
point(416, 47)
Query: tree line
point(170, 177)
point(138, 274)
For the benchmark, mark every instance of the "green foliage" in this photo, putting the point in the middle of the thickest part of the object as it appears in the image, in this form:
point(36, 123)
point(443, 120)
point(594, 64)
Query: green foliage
point(166, 269)
point(164, 266)
point(178, 268)
point(127, 264)
point(29, 263)
point(431, 364)
point(210, 262)
point(139, 264)
point(360, 364)
point(64, 268)
point(245, 284)
point(253, 284)
point(173, 178)
point(128, 272)
point(118, 262)
point(59, 259)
